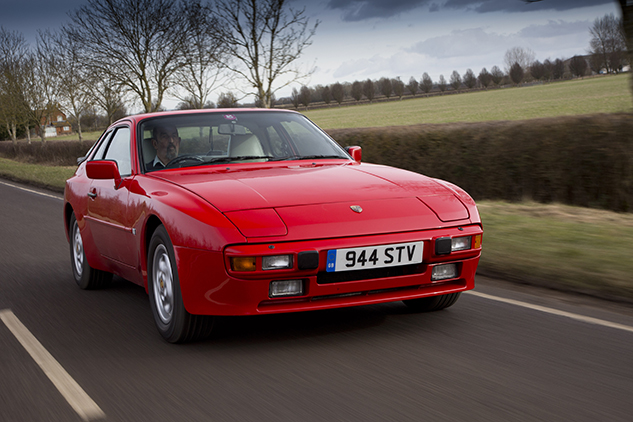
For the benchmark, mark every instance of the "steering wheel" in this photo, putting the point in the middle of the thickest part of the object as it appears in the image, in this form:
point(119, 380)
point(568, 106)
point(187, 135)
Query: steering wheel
point(184, 158)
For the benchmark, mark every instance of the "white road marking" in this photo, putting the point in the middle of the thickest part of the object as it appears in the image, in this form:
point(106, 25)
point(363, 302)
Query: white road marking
point(31, 190)
point(553, 311)
point(75, 396)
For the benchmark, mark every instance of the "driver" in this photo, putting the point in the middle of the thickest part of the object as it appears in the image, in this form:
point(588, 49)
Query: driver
point(167, 143)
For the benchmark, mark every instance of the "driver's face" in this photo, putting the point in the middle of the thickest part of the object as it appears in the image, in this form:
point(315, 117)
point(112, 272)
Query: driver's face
point(167, 142)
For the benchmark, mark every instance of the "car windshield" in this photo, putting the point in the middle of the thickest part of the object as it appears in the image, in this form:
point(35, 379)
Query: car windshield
point(187, 140)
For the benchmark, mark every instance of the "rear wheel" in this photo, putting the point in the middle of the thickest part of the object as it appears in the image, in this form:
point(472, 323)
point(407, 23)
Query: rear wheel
point(433, 303)
point(86, 277)
point(174, 323)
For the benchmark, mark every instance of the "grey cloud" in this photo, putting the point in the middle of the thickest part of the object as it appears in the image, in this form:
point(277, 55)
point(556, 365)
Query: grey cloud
point(460, 43)
point(555, 29)
point(483, 6)
point(357, 10)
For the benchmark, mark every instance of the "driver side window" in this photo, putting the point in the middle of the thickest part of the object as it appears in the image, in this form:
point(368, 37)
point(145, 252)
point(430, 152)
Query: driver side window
point(119, 151)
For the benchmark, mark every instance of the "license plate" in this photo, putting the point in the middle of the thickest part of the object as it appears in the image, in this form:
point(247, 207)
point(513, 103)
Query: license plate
point(374, 257)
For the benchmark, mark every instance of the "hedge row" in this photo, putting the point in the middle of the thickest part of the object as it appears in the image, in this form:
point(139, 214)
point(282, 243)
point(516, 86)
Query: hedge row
point(575, 160)
point(55, 153)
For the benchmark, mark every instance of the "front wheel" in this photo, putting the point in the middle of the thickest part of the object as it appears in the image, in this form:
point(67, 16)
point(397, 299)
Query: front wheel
point(174, 323)
point(86, 277)
point(433, 303)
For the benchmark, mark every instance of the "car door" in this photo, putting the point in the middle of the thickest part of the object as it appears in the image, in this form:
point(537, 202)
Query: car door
point(108, 214)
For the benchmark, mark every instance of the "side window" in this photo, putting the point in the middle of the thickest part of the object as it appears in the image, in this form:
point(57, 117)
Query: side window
point(102, 147)
point(119, 151)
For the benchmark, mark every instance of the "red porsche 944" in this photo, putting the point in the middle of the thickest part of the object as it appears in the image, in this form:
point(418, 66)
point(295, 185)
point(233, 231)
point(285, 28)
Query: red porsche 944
point(246, 212)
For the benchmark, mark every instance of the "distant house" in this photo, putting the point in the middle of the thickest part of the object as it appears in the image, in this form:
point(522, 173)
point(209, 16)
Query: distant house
point(56, 124)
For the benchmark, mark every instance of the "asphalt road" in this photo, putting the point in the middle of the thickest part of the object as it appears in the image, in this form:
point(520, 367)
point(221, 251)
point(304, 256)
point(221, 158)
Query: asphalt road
point(538, 357)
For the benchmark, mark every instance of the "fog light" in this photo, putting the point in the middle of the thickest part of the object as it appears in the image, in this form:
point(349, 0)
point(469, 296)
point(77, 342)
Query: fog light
point(460, 243)
point(281, 288)
point(239, 263)
point(444, 272)
point(276, 262)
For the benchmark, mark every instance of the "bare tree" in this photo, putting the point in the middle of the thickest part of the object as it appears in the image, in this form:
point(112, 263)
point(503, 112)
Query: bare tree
point(203, 69)
point(427, 83)
point(516, 73)
point(578, 66)
point(496, 75)
point(326, 94)
point(138, 44)
point(456, 80)
point(523, 56)
point(62, 54)
point(305, 96)
point(558, 69)
point(385, 87)
point(626, 7)
point(338, 93)
point(264, 39)
point(413, 85)
point(227, 100)
point(108, 95)
point(41, 87)
point(398, 87)
point(470, 80)
point(369, 89)
point(441, 84)
point(357, 90)
point(485, 78)
point(537, 70)
point(608, 43)
point(13, 57)
point(294, 98)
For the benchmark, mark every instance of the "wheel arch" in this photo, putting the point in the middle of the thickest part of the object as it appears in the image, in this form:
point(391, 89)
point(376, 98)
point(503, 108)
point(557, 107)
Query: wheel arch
point(68, 212)
point(152, 223)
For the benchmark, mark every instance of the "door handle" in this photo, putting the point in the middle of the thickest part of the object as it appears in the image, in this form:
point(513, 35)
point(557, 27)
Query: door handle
point(92, 194)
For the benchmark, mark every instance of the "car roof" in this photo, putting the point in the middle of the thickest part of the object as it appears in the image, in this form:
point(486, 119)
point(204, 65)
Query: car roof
point(139, 117)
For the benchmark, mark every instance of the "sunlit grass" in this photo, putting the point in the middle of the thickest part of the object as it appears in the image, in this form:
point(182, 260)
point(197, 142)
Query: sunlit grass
point(558, 245)
point(53, 177)
point(608, 94)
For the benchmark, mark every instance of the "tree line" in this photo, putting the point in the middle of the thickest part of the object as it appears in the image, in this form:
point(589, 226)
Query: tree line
point(117, 53)
point(607, 54)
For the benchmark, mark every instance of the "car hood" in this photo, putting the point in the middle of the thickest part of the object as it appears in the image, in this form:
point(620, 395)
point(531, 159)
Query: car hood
point(257, 198)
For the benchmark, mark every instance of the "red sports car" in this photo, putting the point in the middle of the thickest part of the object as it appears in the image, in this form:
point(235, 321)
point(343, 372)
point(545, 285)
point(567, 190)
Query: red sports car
point(246, 212)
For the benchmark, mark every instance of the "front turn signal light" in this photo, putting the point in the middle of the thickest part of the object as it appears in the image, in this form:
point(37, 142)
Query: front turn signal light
point(239, 263)
point(477, 241)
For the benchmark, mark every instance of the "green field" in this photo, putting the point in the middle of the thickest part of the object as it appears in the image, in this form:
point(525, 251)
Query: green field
point(606, 94)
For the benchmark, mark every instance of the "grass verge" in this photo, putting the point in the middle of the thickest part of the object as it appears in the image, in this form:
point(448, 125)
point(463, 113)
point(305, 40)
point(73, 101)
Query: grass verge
point(558, 246)
point(49, 177)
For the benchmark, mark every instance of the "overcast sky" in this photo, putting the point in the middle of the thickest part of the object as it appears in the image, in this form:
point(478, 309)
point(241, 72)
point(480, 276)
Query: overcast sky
point(360, 39)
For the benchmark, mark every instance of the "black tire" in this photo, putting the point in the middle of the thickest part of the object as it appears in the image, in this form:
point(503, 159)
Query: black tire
point(85, 276)
point(174, 323)
point(433, 303)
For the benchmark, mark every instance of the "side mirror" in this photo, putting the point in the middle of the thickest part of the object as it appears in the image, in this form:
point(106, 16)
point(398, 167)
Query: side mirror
point(355, 152)
point(103, 170)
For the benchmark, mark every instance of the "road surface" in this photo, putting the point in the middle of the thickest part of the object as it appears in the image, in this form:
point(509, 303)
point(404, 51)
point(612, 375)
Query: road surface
point(502, 353)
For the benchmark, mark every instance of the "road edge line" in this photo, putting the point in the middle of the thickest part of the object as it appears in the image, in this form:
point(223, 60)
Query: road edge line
point(552, 311)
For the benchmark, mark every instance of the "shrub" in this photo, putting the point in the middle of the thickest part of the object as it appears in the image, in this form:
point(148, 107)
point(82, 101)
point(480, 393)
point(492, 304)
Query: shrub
point(576, 160)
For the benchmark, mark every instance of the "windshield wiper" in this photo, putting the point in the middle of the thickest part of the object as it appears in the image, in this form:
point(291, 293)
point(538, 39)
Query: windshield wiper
point(238, 158)
point(308, 157)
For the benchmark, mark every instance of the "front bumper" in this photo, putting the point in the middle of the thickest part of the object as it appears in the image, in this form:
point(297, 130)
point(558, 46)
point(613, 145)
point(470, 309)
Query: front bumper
point(210, 287)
